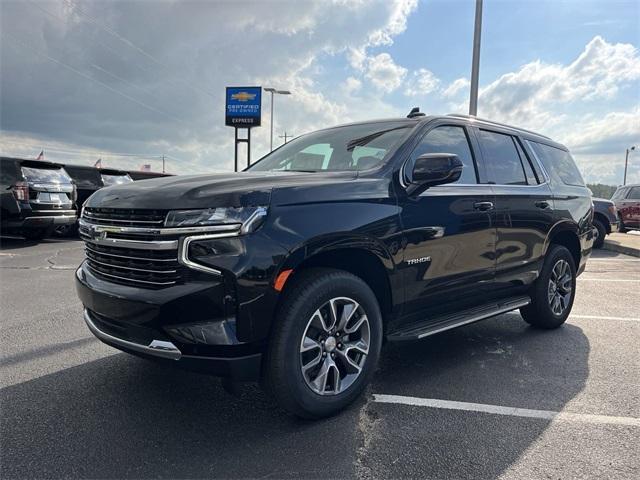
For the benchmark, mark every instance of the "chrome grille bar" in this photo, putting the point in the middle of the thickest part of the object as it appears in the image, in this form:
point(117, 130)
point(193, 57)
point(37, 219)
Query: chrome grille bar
point(126, 279)
point(110, 265)
point(174, 259)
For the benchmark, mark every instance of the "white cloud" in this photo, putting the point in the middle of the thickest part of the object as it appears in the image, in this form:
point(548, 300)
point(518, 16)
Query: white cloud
point(532, 93)
point(610, 133)
point(384, 73)
point(396, 24)
point(455, 87)
point(176, 58)
point(422, 82)
point(351, 85)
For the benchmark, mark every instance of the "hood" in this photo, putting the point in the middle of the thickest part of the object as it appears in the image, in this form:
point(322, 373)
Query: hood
point(241, 189)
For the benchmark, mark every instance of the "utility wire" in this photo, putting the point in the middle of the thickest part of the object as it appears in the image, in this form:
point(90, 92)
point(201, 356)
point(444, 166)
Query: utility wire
point(132, 45)
point(88, 77)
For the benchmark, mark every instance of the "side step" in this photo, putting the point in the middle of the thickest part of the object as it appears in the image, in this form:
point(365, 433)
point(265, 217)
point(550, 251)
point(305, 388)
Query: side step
point(434, 325)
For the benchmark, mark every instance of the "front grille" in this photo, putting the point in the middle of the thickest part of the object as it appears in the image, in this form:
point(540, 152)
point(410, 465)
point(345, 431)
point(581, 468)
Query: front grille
point(125, 217)
point(132, 247)
point(143, 266)
point(134, 266)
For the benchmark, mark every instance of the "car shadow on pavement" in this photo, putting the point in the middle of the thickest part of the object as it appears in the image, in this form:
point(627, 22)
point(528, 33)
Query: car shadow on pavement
point(123, 417)
point(501, 362)
point(15, 243)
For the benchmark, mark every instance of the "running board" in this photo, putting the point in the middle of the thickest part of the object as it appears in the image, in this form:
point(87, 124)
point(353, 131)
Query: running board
point(431, 326)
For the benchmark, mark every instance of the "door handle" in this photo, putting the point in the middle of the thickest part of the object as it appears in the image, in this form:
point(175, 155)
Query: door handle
point(483, 206)
point(542, 204)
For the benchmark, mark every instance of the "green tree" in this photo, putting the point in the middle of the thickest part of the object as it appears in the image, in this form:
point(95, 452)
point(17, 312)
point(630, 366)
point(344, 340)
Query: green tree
point(601, 190)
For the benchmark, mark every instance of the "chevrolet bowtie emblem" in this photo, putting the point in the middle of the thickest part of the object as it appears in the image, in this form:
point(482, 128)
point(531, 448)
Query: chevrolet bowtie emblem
point(243, 96)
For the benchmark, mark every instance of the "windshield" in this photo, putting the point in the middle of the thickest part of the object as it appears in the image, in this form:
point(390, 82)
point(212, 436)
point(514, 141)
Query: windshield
point(353, 147)
point(109, 180)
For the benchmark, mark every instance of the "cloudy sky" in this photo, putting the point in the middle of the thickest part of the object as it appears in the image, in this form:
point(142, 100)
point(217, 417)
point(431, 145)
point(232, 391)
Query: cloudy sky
point(113, 79)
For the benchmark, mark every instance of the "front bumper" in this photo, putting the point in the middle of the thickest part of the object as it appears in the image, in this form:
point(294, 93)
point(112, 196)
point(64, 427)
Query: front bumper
point(243, 368)
point(153, 324)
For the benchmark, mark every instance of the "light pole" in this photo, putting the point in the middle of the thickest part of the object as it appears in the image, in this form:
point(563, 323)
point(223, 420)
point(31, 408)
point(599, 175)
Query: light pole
point(626, 162)
point(279, 92)
point(475, 63)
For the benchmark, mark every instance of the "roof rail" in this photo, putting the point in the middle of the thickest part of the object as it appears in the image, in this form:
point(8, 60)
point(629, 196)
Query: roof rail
point(484, 120)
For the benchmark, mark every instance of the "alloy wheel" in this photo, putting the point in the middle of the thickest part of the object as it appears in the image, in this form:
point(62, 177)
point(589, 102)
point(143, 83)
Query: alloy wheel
point(560, 287)
point(335, 345)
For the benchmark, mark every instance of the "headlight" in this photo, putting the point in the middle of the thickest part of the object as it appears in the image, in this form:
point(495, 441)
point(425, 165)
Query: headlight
point(249, 218)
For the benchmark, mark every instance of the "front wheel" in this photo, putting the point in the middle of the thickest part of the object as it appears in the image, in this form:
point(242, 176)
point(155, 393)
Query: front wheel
point(554, 291)
point(325, 344)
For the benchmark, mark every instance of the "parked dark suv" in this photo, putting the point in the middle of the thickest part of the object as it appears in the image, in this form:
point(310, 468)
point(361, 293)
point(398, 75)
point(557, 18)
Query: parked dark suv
point(89, 179)
point(296, 270)
point(605, 220)
point(35, 197)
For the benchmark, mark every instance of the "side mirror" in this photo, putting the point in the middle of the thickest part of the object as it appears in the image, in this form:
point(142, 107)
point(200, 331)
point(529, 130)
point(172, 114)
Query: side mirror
point(435, 169)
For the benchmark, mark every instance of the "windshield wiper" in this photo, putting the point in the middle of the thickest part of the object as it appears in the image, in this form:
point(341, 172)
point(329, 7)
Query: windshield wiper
point(362, 141)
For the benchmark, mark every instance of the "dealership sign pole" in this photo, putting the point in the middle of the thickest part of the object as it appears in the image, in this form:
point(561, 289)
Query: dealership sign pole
point(243, 109)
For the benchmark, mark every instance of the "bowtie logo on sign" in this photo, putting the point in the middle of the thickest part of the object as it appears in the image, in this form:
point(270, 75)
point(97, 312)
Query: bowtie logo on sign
point(243, 96)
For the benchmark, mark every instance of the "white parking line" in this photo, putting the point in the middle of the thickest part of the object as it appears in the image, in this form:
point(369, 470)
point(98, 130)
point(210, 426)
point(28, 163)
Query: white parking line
point(613, 260)
point(509, 411)
point(598, 317)
point(619, 280)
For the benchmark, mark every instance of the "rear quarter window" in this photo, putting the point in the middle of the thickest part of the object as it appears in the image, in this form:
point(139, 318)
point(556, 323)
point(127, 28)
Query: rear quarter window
point(558, 163)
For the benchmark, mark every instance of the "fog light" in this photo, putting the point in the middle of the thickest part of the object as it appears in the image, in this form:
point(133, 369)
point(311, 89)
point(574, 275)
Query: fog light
point(222, 332)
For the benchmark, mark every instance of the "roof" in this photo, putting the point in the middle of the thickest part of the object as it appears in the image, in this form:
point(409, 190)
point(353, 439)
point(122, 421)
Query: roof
point(471, 119)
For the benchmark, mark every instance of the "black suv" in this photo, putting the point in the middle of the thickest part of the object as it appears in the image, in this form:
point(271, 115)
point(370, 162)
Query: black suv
point(35, 197)
point(89, 179)
point(295, 271)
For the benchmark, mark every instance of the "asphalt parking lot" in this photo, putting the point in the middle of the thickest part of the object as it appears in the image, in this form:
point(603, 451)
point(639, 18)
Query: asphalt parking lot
point(494, 399)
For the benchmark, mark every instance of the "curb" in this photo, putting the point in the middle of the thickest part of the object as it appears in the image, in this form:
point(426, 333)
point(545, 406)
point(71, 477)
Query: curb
point(616, 247)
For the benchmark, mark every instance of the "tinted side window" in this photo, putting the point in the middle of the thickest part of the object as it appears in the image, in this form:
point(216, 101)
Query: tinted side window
point(532, 178)
point(634, 194)
point(502, 159)
point(558, 163)
point(449, 139)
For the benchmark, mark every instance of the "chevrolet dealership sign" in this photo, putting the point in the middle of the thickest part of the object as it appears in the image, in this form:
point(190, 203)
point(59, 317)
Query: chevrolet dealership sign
point(243, 107)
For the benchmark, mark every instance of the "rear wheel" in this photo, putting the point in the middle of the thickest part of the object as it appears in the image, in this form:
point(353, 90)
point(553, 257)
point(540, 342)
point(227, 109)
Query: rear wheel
point(602, 232)
point(325, 344)
point(554, 291)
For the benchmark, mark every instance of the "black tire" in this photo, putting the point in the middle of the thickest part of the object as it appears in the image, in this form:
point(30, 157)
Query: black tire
point(539, 313)
point(602, 233)
point(621, 227)
point(34, 233)
point(282, 374)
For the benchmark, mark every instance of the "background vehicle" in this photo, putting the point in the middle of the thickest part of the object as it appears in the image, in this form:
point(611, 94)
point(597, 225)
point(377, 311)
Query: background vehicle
point(36, 196)
point(627, 200)
point(296, 270)
point(605, 219)
point(87, 180)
